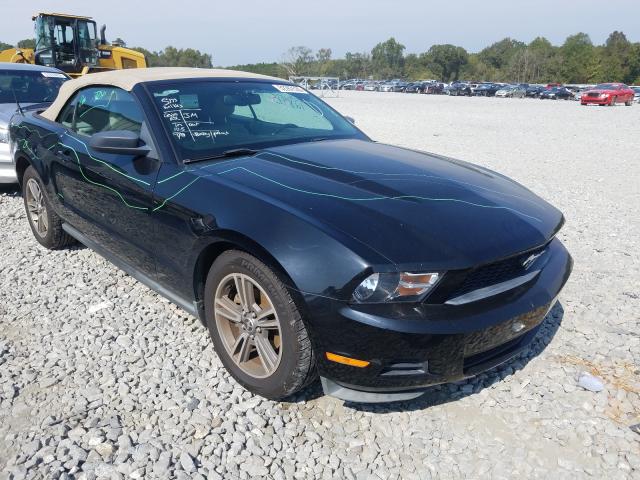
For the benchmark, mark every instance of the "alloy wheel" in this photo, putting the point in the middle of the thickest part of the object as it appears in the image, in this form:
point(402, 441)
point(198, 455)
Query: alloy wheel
point(36, 207)
point(248, 325)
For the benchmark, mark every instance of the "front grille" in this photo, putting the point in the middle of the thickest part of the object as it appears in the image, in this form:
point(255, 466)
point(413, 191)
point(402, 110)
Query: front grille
point(457, 283)
point(593, 94)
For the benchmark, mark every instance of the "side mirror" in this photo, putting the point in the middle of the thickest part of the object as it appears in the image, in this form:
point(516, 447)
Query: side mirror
point(119, 142)
point(350, 119)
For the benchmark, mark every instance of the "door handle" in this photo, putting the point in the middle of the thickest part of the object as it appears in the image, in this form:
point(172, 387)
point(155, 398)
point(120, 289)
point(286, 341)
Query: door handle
point(64, 154)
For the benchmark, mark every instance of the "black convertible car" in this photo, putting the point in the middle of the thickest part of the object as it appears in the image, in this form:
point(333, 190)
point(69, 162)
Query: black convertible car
point(306, 248)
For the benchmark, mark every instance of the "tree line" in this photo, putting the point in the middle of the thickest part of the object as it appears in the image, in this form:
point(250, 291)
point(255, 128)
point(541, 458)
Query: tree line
point(168, 57)
point(577, 60)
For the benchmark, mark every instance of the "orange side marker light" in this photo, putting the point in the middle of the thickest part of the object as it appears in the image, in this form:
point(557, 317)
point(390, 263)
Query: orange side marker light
point(353, 362)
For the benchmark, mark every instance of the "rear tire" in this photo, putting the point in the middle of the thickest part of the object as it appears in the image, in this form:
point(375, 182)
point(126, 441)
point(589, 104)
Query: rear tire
point(45, 224)
point(629, 103)
point(275, 359)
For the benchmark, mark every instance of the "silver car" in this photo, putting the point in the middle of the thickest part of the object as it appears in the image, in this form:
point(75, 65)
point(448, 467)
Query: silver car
point(28, 85)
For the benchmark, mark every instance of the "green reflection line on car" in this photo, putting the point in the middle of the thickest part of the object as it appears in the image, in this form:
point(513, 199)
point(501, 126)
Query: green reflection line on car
point(130, 177)
point(100, 184)
point(289, 187)
point(412, 175)
point(367, 199)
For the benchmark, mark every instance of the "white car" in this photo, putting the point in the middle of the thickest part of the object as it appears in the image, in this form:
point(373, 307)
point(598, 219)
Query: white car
point(511, 91)
point(28, 85)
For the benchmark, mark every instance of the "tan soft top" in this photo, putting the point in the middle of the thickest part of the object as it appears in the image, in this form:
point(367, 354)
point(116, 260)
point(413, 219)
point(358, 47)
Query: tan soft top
point(129, 78)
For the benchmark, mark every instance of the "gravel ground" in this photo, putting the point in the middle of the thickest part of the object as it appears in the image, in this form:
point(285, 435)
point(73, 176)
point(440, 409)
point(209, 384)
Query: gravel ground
point(100, 377)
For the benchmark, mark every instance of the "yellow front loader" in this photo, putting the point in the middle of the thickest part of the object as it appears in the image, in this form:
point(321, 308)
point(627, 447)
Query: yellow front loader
point(70, 43)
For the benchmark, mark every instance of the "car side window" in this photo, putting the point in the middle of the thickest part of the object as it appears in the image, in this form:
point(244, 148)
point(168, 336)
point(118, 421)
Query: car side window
point(67, 114)
point(101, 109)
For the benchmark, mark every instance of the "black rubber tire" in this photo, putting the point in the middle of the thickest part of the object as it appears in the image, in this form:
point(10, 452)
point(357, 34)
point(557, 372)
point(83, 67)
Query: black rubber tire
point(56, 238)
point(613, 102)
point(629, 103)
point(297, 365)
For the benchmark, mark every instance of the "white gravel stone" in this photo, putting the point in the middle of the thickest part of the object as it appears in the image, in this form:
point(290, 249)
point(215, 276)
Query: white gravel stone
point(141, 376)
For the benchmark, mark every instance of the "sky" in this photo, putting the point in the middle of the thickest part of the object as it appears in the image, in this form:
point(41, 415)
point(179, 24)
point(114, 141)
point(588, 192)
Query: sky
point(249, 31)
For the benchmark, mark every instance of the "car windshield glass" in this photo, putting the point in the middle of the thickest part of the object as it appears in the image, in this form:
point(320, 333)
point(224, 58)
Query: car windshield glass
point(207, 118)
point(605, 86)
point(30, 86)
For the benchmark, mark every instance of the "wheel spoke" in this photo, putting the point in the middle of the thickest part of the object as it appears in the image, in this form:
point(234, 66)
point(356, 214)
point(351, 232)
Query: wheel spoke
point(248, 325)
point(44, 220)
point(242, 347)
point(34, 189)
point(266, 353)
point(268, 323)
point(240, 284)
point(228, 309)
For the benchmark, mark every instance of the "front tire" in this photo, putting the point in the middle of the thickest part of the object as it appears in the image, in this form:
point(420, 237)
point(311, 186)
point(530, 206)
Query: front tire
point(256, 327)
point(45, 224)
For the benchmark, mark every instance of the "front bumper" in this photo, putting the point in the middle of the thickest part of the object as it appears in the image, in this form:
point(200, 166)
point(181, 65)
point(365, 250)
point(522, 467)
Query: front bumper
point(413, 346)
point(7, 168)
point(595, 100)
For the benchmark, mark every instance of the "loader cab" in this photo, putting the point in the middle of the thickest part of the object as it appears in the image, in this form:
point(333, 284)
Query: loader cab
point(66, 42)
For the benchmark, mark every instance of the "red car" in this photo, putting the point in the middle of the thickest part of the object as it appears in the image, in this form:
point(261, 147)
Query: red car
point(608, 94)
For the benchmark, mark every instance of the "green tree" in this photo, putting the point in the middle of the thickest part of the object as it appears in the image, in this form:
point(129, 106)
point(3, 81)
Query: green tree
point(298, 61)
point(387, 58)
point(27, 43)
point(617, 60)
point(499, 54)
point(446, 60)
point(576, 54)
point(323, 57)
point(357, 65)
point(5, 46)
point(415, 68)
point(174, 57)
point(272, 69)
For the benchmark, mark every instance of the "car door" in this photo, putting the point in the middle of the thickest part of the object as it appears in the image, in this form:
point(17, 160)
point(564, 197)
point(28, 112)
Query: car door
point(107, 196)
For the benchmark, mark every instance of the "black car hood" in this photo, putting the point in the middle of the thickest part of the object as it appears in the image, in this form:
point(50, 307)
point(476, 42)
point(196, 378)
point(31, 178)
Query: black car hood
point(412, 208)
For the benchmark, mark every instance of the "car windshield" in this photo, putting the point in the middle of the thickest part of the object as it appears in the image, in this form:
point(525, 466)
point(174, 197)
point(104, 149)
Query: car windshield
point(207, 118)
point(605, 86)
point(30, 86)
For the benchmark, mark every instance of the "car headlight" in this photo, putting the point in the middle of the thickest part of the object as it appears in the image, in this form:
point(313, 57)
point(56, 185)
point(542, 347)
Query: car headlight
point(4, 135)
point(604, 95)
point(397, 286)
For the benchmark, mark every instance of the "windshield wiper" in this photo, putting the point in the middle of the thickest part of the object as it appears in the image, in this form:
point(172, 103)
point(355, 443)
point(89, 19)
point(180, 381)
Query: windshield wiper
point(234, 152)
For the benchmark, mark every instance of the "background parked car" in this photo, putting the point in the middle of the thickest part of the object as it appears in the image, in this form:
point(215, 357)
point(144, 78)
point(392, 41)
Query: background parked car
point(414, 87)
point(30, 85)
point(399, 86)
point(533, 91)
point(577, 93)
point(487, 89)
point(371, 87)
point(556, 93)
point(608, 94)
point(434, 88)
point(636, 94)
point(459, 88)
point(512, 91)
point(385, 87)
